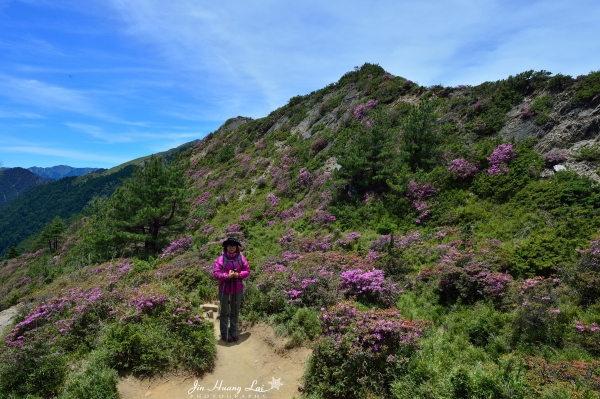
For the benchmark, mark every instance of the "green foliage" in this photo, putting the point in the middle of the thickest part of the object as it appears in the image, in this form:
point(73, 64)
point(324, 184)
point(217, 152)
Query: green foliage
point(420, 138)
point(226, 153)
point(52, 234)
point(521, 170)
point(95, 381)
point(587, 87)
point(299, 324)
point(541, 106)
point(590, 153)
point(32, 369)
point(360, 75)
point(559, 82)
point(13, 253)
point(28, 214)
point(149, 205)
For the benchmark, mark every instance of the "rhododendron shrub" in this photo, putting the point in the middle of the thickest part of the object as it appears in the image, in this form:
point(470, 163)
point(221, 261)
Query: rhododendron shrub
point(462, 169)
point(367, 349)
point(371, 286)
point(177, 247)
point(500, 158)
point(417, 194)
point(584, 278)
point(538, 317)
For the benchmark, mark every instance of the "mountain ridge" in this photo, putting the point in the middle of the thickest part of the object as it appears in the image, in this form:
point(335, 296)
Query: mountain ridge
point(424, 241)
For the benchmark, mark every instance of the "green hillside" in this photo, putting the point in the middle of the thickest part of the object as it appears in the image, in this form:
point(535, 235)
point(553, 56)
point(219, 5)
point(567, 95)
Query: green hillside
point(15, 182)
point(28, 214)
point(425, 242)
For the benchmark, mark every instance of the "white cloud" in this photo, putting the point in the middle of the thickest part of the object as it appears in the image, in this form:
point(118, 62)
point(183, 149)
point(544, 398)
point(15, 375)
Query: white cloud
point(279, 49)
point(129, 137)
point(42, 95)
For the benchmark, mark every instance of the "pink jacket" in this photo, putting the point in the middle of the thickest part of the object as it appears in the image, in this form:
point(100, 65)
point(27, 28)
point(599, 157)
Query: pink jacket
point(220, 271)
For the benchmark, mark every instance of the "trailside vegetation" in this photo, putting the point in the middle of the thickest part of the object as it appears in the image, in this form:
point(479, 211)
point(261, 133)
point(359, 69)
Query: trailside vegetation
point(389, 227)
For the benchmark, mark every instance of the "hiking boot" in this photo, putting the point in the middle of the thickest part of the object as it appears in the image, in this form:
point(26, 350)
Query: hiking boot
point(224, 338)
point(234, 338)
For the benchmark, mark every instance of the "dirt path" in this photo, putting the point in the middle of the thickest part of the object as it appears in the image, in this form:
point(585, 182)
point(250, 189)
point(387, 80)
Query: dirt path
point(254, 367)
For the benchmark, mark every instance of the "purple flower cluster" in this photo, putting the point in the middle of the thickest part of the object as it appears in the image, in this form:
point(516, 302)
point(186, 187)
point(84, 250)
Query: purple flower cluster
point(371, 333)
point(461, 168)
point(203, 198)
point(526, 111)
point(310, 244)
point(244, 218)
point(208, 229)
point(177, 246)
point(322, 218)
point(581, 327)
point(417, 193)
point(555, 157)
point(353, 236)
point(294, 213)
point(360, 110)
point(287, 239)
point(401, 242)
point(500, 158)
point(232, 228)
point(274, 199)
point(78, 299)
point(144, 303)
point(371, 285)
point(305, 178)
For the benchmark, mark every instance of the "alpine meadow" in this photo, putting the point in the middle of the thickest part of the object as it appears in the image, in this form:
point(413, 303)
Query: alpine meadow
point(424, 242)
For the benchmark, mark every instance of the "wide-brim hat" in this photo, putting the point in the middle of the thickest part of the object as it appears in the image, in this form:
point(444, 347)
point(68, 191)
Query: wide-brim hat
point(231, 241)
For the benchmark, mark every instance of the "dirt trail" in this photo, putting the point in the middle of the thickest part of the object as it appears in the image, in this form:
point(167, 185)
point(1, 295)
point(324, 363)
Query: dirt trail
point(254, 367)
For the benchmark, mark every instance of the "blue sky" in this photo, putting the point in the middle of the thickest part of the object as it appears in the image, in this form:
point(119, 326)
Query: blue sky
point(100, 82)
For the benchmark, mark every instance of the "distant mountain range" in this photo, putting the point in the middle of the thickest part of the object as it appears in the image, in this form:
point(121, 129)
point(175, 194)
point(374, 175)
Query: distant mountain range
point(16, 181)
point(23, 216)
point(60, 171)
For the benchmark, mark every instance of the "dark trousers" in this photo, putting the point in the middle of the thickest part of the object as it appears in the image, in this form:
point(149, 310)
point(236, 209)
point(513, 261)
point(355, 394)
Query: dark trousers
point(230, 312)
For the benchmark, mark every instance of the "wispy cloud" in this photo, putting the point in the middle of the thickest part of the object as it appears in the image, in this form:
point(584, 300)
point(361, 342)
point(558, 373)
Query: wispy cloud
point(50, 97)
point(129, 137)
point(19, 114)
point(280, 49)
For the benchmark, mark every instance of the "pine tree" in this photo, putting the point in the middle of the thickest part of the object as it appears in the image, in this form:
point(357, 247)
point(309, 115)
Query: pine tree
point(150, 204)
point(13, 253)
point(52, 234)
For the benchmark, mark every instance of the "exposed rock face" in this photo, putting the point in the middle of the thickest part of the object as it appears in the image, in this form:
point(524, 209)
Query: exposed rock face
point(569, 127)
point(332, 119)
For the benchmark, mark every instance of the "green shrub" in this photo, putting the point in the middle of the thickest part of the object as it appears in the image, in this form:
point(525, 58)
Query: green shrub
point(361, 352)
point(31, 369)
point(590, 153)
point(523, 169)
point(587, 88)
point(541, 106)
point(538, 317)
point(95, 381)
point(559, 82)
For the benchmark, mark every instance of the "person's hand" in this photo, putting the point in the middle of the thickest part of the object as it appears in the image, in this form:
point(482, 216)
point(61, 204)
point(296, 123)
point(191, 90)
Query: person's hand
point(231, 274)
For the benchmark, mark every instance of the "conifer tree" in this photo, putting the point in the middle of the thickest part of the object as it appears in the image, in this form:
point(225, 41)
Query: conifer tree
point(13, 253)
point(150, 204)
point(52, 234)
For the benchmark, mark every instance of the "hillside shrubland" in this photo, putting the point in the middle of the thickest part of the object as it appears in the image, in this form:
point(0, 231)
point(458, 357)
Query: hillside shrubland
point(426, 242)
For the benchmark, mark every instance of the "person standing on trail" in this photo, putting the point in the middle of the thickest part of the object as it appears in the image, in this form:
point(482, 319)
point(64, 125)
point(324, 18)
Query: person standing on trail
point(230, 269)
